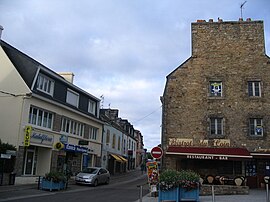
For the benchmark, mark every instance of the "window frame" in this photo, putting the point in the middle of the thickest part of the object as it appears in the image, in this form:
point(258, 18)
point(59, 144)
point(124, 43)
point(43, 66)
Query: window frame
point(92, 106)
point(72, 127)
point(45, 84)
point(73, 94)
point(254, 126)
point(38, 117)
point(252, 88)
point(216, 125)
point(219, 94)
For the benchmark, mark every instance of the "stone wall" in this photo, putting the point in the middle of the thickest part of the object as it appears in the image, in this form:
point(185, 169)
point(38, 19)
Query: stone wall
point(230, 52)
point(224, 190)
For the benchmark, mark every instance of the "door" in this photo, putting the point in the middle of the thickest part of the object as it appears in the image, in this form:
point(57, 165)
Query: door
point(29, 162)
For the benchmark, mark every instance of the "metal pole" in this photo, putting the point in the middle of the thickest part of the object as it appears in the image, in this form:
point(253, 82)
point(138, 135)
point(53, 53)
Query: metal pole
point(141, 193)
point(267, 192)
point(213, 193)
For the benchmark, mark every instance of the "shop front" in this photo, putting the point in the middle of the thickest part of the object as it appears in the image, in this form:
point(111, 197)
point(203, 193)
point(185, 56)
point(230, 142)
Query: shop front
point(214, 164)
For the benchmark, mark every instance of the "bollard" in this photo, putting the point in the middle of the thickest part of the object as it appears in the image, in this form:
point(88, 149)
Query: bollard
point(213, 193)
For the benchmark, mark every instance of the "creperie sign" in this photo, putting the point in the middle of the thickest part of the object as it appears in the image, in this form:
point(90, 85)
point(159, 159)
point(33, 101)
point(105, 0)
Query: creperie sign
point(180, 142)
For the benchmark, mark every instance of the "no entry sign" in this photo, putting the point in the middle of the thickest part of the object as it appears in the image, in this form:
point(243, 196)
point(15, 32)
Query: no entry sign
point(157, 152)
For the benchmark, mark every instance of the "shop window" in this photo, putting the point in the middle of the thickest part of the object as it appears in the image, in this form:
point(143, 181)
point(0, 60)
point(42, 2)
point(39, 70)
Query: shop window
point(255, 127)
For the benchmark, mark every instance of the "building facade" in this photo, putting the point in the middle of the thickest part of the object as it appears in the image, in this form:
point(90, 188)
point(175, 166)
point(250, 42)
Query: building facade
point(54, 124)
point(216, 105)
point(119, 142)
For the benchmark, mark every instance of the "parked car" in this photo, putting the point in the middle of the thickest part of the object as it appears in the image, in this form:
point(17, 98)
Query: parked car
point(93, 176)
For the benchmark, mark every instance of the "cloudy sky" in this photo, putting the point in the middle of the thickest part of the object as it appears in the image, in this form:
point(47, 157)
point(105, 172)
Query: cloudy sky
point(121, 49)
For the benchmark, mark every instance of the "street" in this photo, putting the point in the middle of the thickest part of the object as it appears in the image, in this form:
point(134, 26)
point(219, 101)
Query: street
point(120, 189)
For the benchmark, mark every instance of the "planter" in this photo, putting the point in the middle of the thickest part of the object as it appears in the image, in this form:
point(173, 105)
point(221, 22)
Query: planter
point(170, 195)
point(189, 195)
point(50, 185)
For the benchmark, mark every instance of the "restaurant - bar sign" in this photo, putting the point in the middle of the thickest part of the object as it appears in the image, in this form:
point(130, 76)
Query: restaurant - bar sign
point(207, 157)
point(183, 142)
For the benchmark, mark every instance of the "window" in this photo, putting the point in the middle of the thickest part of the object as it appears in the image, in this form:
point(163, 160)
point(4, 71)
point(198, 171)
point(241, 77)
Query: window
point(108, 137)
point(113, 142)
point(119, 142)
point(216, 126)
point(215, 88)
point(40, 117)
point(72, 98)
point(254, 88)
point(93, 133)
point(256, 127)
point(72, 127)
point(91, 107)
point(45, 84)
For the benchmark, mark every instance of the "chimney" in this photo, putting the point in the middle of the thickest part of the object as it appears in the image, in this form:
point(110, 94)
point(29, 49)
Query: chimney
point(67, 76)
point(1, 29)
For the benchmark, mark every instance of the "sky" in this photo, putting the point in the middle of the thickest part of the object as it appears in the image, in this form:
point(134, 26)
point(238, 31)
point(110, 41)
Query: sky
point(119, 49)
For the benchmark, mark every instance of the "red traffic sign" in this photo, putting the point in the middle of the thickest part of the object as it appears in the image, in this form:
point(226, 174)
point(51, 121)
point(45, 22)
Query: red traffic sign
point(157, 152)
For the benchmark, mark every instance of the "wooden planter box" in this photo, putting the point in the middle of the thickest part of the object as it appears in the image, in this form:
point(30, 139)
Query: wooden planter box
point(189, 195)
point(169, 195)
point(50, 185)
point(179, 194)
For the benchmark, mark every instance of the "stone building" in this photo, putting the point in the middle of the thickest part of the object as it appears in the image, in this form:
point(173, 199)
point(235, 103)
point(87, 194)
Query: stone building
point(216, 105)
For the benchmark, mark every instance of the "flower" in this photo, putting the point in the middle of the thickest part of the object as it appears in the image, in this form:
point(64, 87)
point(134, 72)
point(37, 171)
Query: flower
point(187, 179)
point(55, 176)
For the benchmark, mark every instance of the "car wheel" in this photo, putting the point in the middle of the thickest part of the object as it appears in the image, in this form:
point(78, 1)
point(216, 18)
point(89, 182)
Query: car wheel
point(107, 181)
point(95, 183)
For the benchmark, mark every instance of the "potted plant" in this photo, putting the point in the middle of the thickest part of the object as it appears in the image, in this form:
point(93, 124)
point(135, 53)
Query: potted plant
point(189, 185)
point(54, 181)
point(179, 185)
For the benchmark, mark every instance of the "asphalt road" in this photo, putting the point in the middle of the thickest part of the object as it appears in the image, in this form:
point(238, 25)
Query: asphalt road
point(124, 190)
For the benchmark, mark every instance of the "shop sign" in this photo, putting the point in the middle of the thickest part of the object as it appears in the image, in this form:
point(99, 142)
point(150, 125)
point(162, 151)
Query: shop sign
point(183, 142)
point(63, 139)
point(27, 133)
point(206, 157)
point(75, 148)
point(5, 156)
point(222, 143)
point(40, 138)
point(203, 143)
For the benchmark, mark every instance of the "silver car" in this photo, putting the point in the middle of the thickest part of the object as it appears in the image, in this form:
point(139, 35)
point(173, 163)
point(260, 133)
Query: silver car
point(93, 176)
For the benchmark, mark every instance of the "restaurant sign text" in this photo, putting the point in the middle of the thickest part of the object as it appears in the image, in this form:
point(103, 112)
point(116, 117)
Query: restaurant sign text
point(207, 157)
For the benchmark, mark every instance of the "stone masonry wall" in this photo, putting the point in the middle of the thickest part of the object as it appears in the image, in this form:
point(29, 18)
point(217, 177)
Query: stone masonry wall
point(231, 52)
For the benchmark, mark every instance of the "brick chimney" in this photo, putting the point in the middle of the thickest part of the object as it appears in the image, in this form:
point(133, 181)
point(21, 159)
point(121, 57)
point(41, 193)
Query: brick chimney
point(228, 38)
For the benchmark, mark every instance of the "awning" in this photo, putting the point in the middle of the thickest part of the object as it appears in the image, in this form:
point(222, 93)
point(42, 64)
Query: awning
point(209, 153)
point(123, 159)
point(117, 158)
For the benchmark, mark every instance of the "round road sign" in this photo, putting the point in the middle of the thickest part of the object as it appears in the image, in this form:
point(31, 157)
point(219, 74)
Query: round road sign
point(157, 152)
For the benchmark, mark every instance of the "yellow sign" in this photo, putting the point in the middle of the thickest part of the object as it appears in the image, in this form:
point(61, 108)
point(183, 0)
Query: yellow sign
point(27, 133)
point(59, 145)
point(222, 143)
point(183, 142)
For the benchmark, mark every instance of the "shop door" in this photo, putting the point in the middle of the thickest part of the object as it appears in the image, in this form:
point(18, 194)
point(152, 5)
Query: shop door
point(29, 162)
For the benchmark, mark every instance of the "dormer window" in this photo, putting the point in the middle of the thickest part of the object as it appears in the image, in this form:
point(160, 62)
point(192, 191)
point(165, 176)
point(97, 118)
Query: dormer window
point(72, 98)
point(92, 107)
point(45, 84)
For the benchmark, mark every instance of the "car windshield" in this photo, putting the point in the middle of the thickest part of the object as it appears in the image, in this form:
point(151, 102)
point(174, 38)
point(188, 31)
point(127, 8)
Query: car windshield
point(90, 170)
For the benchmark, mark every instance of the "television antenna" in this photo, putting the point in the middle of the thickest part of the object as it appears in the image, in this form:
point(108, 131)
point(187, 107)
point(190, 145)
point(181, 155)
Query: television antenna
point(242, 7)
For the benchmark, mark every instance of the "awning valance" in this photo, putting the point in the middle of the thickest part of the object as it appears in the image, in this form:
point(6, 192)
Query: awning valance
point(209, 153)
point(116, 157)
